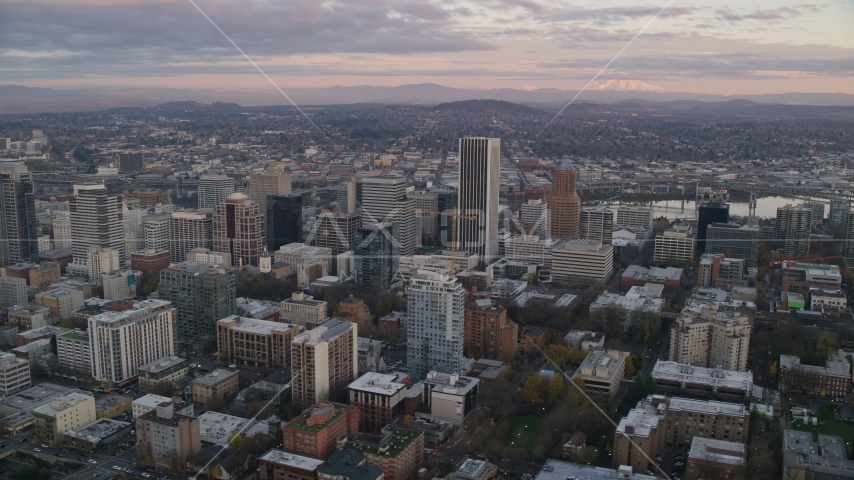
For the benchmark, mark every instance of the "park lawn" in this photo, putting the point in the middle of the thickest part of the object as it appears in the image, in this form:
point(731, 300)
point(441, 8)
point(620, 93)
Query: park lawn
point(844, 430)
point(523, 431)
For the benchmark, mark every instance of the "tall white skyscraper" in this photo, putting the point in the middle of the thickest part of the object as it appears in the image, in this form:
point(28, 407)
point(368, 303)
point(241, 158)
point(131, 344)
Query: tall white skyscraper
point(122, 341)
point(155, 231)
point(213, 189)
point(478, 196)
point(96, 221)
point(383, 201)
point(189, 229)
point(436, 324)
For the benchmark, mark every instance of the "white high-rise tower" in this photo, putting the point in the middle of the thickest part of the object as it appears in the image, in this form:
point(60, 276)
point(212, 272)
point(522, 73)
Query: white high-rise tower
point(478, 196)
point(436, 324)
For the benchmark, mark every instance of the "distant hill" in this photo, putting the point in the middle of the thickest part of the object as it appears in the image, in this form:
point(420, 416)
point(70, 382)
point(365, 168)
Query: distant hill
point(190, 105)
point(481, 106)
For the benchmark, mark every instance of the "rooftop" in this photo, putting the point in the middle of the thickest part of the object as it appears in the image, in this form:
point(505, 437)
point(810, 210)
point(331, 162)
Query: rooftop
point(34, 396)
point(689, 374)
point(62, 403)
point(98, 430)
point(827, 456)
point(216, 376)
point(654, 274)
point(450, 383)
point(109, 401)
point(718, 451)
point(302, 421)
point(395, 439)
point(602, 365)
point(324, 333)
point(164, 363)
point(792, 362)
point(214, 426)
point(139, 311)
point(280, 457)
point(560, 470)
point(151, 400)
point(378, 383)
point(256, 326)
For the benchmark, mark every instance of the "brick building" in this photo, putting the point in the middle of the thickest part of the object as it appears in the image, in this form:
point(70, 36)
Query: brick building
point(220, 384)
point(488, 332)
point(379, 398)
point(354, 310)
point(315, 431)
point(834, 379)
point(398, 451)
point(147, 261)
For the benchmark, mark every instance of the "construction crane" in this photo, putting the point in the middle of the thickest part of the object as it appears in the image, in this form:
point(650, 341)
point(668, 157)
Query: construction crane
point(454, 217)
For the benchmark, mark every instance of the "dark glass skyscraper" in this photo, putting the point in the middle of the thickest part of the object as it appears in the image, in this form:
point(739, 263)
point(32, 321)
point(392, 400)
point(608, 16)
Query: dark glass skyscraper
point(710, 212)
point(376, 255)
point(284, 220)
point(18, 214)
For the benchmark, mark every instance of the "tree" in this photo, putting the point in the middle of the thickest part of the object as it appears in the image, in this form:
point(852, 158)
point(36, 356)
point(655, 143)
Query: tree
point(630, 367)
point(407, 420)
point(556, 387)
point(558, 354)
point(531, 390)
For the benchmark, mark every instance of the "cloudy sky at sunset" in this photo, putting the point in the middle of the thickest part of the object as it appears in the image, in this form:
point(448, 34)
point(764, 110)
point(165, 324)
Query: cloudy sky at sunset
point(710, 46)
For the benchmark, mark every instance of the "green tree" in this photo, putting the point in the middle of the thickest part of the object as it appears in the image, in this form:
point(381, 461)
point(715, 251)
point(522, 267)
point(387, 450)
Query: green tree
point(531, 390)
point(630, 367)
point(556, 387)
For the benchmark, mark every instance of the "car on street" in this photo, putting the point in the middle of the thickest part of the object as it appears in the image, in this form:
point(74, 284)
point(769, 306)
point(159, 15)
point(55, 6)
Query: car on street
point(146, 475)
point(37, 449)
point(93, 462)
point(44, 445)
point(116, 467)
point(96, 475)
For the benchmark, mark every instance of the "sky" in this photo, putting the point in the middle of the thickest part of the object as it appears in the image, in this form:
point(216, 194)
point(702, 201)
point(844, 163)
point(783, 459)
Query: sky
point(711, 46)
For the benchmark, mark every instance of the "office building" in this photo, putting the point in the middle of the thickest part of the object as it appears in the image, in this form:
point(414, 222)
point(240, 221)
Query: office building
point(337, 232)
point(793, 229)
point(825, 300)
point(310, 263)
point(14, 373)
point(61, 230)
point(530, 249)
point(582, 261)
point(303, 310)
point(488, 332)
point(18, 225)
point(122, 341)
point(377, 255)
point(61, 301)
point(716, 271)
point(596, 224)
point(633, 216)
point(449, 397)
point(73, 410)
point(132, 226)
point(564, 203)
point(383, 200)
point(398, 451)
point(740, 241)
point(669, 277)
point(213, 190)
point(238, 229)
point(276, 464)
point(447, 200)
point(201, 295)
point(804, 457)
point(316, 430)
point(345, 196)
point(379, 398)
point(28, 316)
point(43, 274)
point(804, 276)
point(480, 160)
point(256, 343)
point(711, 338)
point(188, 230)
point(324, 360)
point(709, 213)
point(166, 437)
point(584, 340)
point(121, 285)
point(215, 387)
point(130, 162)
point(96, 221)
point(13, 291)
point(161, 374)
point(435, 324)
point(101, 261)
point(263, 184)
point(602, 371)
point(150, 198)
point(839, 208)
point(426, 218)
point(676, 244)
point(657, 421)
point(284, 220)
point(534, 216)
point(209, 257)
point(155, 231)
point(686, 380)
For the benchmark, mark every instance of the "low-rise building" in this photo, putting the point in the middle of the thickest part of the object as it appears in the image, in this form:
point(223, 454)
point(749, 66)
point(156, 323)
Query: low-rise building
point(450, 397)
point(713, 458)
point(398, 451)
point(720, 272)
point(149, 261)
point(583, 261)
point(69, 412)
point(379, 398)
point(658, 420)
point(354, 310)
point(280, 465)
point(218, 385)
point(639, 307)
point(560, 470)
point(147, 403)
point(102, 434)
point(315, 431)
point(29, 316)
point(14, 373)
point(111, 406)
point(219, 428)
point(33, 350)
point(303, 310)
point(686, 380)
point(163, 371)
point(821, 300)
point(825, 459)
point(585, 340)
point(165, 437)
point(671, 277)
point(248, 341)
point(602, 371)
point(533, 338)
point(834, 379)
point(804, 276)
point(474, 469)
point(62, 301)
point(709, 337)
